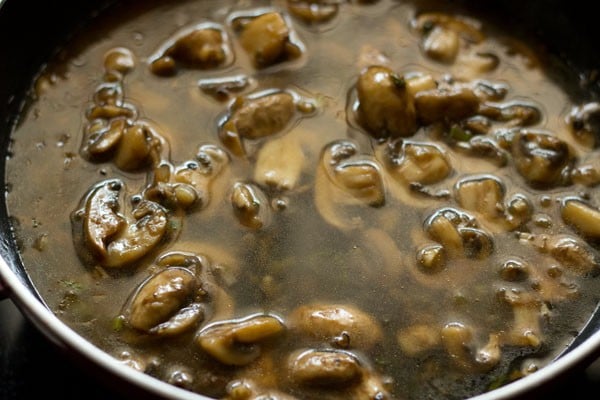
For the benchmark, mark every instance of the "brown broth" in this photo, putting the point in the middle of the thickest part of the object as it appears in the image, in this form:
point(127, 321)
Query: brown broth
point(299, 258)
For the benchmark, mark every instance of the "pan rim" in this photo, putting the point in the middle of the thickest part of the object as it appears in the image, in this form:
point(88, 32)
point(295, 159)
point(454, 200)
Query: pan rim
point(67, 339)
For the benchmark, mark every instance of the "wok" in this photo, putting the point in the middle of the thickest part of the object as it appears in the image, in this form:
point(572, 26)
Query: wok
point(30, 31)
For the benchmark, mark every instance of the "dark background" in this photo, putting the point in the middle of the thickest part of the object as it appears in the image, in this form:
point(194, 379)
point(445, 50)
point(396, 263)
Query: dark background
point(31, 367)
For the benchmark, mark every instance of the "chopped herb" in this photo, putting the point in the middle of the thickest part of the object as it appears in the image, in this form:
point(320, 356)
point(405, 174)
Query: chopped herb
point(72, 285)
point(459, 134)
point(398, 81)
point(118, 323)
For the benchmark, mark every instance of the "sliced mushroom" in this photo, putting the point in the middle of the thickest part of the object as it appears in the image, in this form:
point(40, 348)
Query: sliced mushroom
point(328, 321)
point(518, 211)
point(264, 115)
point(482, 194)
point(110, 111)
point(203, 46)
point(457, 339)
point(445, 35)
point(385, 105)
point(131, 145)
point(163, 304)
point(583, 217)
point(483, 147)
point(472, 64)
point(327, 199)
point(345, 180)
point(414, 162)
point(188, 185)
point(441, 44)
point(468, 29)
point(143, 233)
point(140, 146)
point(525, 330)
point(324, 368)
point(250, 205)
point(333, 374)
point(446, 103)
point(573, 253)
point(119, 59)
point(109, 100)
point(267, 38)
point(109, 234)
point(442, 228)
point(279, 163)
point(490, 354)
point(101, 218)
point(462, 132)
point(587, 173)
point(417, 82)
point(163, 190)
point(359, 176)
point(554, 282)
point(541, 158)
point(102, 139)
point(516, 114)
point(255, 117)
point(109, 94)
point(490, 91)
point(360, 179)
point(459, 233)
point(238, 342)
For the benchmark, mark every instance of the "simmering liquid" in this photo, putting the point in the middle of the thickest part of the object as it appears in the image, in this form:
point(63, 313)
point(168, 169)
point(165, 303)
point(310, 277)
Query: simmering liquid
point(310, 199)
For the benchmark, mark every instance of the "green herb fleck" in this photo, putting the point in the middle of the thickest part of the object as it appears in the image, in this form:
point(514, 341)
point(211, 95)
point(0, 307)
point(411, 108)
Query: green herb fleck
point(118, 323)
point(72, 285)
point(459, 134)
point(398, 81)
point(174, 224)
